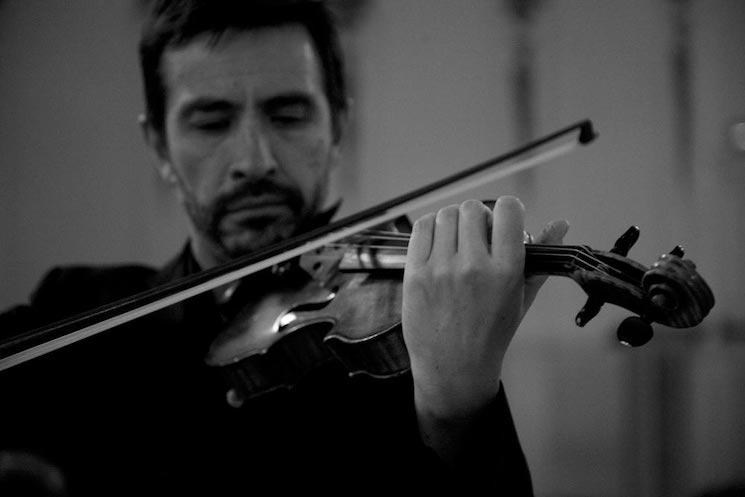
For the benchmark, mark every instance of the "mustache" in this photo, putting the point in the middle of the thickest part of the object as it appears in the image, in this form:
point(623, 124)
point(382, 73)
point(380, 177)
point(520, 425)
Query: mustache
point(259, 187)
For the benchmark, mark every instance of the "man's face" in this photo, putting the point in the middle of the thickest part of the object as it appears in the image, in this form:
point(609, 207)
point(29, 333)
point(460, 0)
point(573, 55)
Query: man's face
point(248, 137)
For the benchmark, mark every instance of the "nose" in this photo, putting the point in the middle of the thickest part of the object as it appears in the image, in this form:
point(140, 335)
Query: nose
point(252, 154)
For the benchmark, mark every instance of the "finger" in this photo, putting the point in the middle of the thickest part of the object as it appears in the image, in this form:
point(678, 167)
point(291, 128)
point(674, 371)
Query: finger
point(507, 231)
point(553, 233)
point(445, 242)
point(474, 220)
point(420, 243)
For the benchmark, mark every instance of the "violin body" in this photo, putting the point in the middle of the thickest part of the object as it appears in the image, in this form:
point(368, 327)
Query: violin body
point(277, 340)
point(316, 313)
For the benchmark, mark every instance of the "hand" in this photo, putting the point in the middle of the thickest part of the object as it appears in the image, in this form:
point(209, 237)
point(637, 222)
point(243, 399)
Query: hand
point(464, 296)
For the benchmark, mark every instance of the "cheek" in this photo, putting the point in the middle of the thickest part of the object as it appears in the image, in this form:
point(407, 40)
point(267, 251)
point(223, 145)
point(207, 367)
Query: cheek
point(307, 165)
point(196, 166)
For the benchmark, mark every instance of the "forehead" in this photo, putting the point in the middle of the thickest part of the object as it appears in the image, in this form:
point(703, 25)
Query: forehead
point(256, 63)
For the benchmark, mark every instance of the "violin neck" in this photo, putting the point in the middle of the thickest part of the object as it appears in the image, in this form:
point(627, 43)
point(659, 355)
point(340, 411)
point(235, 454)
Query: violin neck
point(556, 260)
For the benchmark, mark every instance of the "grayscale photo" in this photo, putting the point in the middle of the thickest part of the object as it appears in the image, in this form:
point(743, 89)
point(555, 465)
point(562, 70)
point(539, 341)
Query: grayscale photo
point(390, 247)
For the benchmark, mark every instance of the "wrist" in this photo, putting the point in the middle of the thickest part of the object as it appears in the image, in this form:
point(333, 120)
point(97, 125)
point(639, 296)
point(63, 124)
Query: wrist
point(455, 398)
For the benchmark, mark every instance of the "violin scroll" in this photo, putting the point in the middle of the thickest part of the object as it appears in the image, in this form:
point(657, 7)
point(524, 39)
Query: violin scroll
point(678, 296)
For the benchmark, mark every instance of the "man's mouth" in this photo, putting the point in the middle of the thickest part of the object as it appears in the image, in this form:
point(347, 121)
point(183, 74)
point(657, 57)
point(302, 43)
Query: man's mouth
point(249, 210)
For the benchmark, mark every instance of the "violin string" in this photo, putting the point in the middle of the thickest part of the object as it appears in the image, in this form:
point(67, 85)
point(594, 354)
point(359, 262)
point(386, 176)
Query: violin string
point(582, 256)
point(552, 254)
point(362, 246)
point(389, 238)
point(392, 234)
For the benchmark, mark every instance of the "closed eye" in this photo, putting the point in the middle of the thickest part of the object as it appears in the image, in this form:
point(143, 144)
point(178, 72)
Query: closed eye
point(209, 115)
point(290, 110)
point(210, 121)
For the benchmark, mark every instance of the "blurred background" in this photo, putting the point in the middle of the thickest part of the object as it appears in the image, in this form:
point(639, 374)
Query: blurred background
point(439, 85)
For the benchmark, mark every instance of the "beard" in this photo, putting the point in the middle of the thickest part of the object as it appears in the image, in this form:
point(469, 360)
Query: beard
point(231, 236)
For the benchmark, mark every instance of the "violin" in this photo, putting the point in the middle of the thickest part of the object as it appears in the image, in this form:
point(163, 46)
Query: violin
point(335, 292)
point(343, 302)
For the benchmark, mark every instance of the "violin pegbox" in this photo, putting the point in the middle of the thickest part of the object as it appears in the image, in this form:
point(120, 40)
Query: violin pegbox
point(594, 303)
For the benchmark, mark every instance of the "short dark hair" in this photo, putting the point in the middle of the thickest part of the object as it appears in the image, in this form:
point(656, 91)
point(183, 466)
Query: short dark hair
point(174, 23)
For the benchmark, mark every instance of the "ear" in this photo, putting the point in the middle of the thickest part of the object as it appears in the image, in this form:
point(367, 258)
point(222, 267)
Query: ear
point(156, 142)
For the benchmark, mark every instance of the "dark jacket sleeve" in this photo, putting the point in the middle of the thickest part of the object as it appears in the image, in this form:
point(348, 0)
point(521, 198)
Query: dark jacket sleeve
point(493, 462)
point(495, 457)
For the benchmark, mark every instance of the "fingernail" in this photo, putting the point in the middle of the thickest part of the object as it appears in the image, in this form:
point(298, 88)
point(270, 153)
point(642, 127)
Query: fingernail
point(510, 198)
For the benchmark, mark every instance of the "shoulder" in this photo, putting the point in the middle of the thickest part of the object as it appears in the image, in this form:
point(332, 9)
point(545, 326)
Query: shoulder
point(68, 290)
point(65, 291)
point(97, 284)
point(92, 285)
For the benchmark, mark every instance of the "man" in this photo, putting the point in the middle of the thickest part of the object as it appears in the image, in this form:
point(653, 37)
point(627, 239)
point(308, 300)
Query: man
point(246, 110)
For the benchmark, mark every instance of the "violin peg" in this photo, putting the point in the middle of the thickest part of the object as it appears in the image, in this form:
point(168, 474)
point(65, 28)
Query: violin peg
point(677, 251)
point(588, 311)
point(626, 241)
point(634, 331)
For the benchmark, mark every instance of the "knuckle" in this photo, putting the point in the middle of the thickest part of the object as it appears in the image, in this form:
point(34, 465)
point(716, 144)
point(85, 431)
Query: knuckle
point(471, 271)
point(441, 273)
